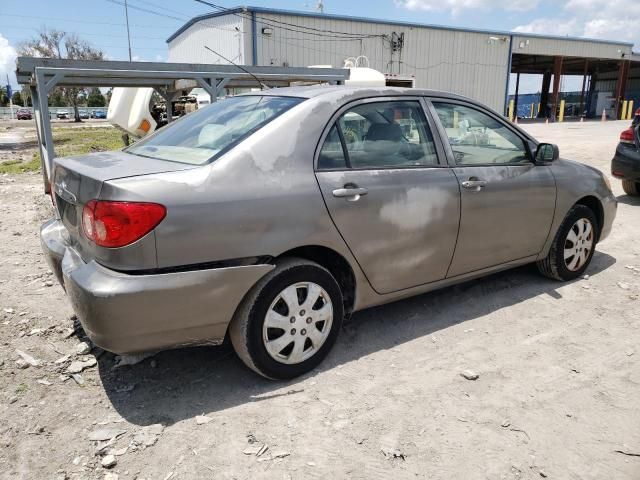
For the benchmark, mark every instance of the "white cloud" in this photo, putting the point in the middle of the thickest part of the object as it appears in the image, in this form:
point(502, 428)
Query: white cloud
point(551, 26)
point(8, 57)
point(457, 6)
point(603, 19)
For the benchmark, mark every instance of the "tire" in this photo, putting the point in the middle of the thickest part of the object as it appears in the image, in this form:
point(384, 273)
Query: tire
point(311, 338)
point(631, 187)
point(555, 265)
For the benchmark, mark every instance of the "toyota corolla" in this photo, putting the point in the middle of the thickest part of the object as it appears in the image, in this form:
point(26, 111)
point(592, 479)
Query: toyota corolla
point(269, 217)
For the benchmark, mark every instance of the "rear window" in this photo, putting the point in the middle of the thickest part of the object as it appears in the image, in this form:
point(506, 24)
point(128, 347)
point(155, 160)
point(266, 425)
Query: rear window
point(210, 131)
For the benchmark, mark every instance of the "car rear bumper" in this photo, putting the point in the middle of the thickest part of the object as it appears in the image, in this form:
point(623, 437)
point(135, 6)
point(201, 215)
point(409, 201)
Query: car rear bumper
point(125, 313)
point(626, 163)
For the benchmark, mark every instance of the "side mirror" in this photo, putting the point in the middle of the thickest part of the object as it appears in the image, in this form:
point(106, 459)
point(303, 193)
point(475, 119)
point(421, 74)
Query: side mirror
point(547, 152)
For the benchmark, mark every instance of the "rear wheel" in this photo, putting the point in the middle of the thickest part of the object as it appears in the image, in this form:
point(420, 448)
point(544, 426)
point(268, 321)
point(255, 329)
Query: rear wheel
point(631, 187)
point(573, 245)
point(289, 321)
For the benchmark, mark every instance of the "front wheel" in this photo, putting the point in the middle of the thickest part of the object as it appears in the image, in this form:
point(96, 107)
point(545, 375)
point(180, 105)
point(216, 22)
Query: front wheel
point(288, 322)
point(573, 245)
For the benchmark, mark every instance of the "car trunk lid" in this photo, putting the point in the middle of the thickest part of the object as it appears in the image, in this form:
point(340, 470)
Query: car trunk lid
point(79, 179)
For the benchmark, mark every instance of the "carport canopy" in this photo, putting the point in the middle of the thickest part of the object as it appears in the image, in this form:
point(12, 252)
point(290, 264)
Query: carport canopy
point(168, 79)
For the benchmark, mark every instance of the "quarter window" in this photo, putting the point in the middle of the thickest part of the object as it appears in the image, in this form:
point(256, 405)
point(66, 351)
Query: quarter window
point(478, 139)
point(332, 154)
point(380, 135)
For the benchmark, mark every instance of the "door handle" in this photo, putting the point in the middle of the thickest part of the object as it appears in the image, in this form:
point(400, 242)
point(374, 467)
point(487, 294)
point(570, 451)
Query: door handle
point(350, 193)
point(474, 184)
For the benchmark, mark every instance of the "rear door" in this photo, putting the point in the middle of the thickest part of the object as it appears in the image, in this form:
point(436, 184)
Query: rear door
point(389, 191)
point(507, 201)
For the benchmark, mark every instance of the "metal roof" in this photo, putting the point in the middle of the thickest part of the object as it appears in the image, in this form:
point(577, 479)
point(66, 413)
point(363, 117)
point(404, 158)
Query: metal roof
point(329, 16)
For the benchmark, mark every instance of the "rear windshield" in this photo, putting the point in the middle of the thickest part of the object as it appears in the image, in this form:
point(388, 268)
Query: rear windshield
point(210, 131)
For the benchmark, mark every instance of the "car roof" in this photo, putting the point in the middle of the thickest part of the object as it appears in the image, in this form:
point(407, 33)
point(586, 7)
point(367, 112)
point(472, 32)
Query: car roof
point(314, 91)
point(345, 93)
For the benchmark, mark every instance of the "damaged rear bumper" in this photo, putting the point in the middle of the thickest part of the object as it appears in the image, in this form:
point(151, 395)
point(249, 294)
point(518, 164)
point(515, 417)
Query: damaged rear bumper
point(125, 313)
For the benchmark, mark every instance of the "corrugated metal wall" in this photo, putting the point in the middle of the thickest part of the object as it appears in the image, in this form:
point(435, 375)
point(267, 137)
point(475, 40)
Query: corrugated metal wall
point(462, 62)
point(568, 47)
point(606, 82)
point(474, 64)
point(218, 33)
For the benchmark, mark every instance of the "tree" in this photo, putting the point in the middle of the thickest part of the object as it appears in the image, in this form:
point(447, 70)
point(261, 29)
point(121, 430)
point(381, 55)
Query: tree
point(57, 99)
point(17, 99)
point(4, 99)
point(25, 94)
point(95, 98)
point(57, 44)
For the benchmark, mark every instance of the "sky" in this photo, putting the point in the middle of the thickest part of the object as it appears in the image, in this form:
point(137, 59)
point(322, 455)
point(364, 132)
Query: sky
point(102, 22)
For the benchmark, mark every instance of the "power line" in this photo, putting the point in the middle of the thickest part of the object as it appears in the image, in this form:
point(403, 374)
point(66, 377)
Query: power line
point(89, 34)
point(160, 6)
point(272, 22)
point(146, 10)
point(67, 20)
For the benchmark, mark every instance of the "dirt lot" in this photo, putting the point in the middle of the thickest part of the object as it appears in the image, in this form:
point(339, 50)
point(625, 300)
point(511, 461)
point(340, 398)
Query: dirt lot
point(557, 393)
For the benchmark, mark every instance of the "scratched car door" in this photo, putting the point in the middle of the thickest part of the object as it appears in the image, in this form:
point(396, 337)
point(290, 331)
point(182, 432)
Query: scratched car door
point(389, 191)
point(507, 201)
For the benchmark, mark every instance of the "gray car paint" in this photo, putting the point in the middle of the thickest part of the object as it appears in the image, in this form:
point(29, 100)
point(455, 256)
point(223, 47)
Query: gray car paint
point(262, 199)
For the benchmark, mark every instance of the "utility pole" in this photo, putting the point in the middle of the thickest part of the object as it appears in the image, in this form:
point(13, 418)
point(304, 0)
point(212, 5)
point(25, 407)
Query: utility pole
point(126, 14)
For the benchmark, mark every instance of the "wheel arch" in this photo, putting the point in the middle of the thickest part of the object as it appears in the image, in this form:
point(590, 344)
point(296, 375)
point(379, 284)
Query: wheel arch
point(337, 265)
point(596, 207)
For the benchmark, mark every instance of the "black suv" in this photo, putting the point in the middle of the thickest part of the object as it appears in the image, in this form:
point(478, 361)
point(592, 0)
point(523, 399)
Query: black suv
point(626, 162)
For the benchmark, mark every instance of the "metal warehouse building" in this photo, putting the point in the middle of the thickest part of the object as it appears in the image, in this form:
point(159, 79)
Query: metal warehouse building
point(475, 63)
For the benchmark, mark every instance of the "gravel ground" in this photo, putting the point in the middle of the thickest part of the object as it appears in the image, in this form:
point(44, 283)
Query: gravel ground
point(557, 393)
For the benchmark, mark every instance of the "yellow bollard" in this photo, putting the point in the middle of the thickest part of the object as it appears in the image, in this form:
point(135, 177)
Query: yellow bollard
point(511, 105)
point(538, 111)
point(624, 110)
point(531, 114)
point(561, 114)
point(630, 110)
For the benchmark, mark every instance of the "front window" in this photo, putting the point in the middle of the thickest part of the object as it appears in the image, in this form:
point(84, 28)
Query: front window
point(478, 139)
point(209, 132)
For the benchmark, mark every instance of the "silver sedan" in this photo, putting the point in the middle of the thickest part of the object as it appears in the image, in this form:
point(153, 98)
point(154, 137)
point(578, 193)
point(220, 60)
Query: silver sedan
point(270, 217)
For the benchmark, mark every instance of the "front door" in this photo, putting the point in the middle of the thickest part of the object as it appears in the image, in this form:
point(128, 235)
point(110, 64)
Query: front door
point(395, 204)
point(507, 202)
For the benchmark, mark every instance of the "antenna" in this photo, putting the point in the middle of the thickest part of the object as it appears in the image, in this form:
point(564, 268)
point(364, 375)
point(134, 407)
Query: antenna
point(262, 85)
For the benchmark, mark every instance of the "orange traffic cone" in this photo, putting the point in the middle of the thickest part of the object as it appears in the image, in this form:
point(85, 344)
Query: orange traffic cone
point(604, 115)
point(546, 120)
point(516, 120)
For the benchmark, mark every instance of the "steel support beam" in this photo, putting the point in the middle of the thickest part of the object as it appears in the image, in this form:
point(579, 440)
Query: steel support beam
point(621, 86)
point(584, 84)
point(544, 94)
point(213, 86)
point(557, 75)
point(515, 103)
point(169, 96)
point(43, 125)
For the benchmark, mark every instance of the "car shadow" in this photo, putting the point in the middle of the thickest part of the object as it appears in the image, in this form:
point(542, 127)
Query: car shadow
point(179, 384)
point(628, 200)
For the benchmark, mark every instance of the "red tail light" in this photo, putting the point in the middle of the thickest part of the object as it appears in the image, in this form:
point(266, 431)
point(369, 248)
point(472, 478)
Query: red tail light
point(627, 136)
point(116, 224)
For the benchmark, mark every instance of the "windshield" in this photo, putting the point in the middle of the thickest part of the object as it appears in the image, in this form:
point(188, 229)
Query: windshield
point(210, 131)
